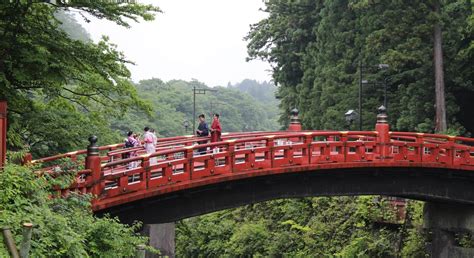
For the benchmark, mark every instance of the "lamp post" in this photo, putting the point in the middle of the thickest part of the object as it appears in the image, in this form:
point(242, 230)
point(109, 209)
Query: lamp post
point(350, 116)
point(385, 85)
point(361, 67)
point(197, 91)
point(186, 125)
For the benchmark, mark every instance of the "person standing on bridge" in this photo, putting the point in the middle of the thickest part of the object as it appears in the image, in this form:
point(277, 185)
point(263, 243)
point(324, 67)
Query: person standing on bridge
point(216, 130)
point(202, 131)
point(149, 141)
point(132, 142)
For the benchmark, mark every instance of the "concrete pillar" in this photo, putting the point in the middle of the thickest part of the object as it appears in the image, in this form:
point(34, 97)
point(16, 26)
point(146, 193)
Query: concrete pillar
point(161, 237)
point(444, 220)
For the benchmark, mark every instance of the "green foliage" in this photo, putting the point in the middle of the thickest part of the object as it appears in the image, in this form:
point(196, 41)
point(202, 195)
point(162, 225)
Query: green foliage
point(172, 104)
point(45, 71)
point(265, 94)
point(64, 227)
point(414, 236)
point(315, 48)
point(70, 25)
point(321, 227)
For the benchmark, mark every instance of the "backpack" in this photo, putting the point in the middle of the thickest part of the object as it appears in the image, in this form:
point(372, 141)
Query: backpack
point(128, 144)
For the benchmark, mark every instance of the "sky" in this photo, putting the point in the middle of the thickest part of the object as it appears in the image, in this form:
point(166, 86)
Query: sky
point(191, 39)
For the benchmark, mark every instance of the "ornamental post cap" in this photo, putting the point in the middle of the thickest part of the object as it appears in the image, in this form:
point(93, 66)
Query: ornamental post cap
point(294, 112)
point(382, 109)
point(382, 115)
point(93, 140)
point(92, 149)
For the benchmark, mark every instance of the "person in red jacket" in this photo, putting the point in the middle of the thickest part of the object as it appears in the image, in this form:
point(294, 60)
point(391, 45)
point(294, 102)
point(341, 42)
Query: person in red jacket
point(216, 129)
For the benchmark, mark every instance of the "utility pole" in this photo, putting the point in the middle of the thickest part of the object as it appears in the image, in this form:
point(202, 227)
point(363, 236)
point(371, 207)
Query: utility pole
point(197, 91)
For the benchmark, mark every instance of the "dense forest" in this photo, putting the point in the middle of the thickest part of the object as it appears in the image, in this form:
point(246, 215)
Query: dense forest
point(240, 107)
point(316, 48)
point(316, 227)
point(62, 87)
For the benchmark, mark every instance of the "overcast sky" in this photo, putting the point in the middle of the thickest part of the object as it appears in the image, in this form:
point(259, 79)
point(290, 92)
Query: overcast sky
point(190, 39)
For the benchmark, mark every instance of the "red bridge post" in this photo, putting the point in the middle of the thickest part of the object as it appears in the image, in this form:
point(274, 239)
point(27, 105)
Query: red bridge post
point(93, 162)
point(295, 124)
point(3, 132)
point(383, 133)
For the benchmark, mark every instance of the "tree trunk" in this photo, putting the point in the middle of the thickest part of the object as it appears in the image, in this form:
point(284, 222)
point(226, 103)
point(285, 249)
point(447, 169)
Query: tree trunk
point(439, 74)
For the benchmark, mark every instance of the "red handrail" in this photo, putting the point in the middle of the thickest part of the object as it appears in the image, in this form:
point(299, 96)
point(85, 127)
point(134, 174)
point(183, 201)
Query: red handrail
point(179, 166)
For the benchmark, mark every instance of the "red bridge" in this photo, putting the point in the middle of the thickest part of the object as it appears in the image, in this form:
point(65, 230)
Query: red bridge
point(251, 167)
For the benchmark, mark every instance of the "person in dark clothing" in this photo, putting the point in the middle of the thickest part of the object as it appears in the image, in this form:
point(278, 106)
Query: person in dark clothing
point(202, 131)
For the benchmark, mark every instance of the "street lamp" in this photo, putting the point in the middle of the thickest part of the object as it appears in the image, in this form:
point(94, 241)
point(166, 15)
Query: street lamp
point(197, 91)
point(350, 116)
point(186, 125)
point(361, 67)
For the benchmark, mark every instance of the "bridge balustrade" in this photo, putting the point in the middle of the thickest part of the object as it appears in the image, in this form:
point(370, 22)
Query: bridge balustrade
point(180, 162)
point(184, 164)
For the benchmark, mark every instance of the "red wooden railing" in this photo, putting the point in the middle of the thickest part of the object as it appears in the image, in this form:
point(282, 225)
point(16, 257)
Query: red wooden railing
point(176, 165)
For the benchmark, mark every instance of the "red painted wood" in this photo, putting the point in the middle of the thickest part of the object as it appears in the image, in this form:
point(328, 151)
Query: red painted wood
point(179, 166)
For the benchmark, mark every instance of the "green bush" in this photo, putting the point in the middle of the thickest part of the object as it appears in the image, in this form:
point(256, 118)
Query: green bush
point(64, 227)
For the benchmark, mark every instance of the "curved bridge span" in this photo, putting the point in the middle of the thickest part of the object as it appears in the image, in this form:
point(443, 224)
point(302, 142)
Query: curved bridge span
point(184, 178)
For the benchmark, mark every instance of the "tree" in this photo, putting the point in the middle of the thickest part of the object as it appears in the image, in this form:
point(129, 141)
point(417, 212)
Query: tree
point(40, 64)
point(172, 104)
point(441, 125)
point(325, 226)
point(315, 46)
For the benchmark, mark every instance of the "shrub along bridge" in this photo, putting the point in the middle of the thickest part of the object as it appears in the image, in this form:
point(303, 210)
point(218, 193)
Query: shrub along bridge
point(177, 181)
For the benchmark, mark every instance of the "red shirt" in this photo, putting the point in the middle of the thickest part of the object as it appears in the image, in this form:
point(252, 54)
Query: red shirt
point(216, 130)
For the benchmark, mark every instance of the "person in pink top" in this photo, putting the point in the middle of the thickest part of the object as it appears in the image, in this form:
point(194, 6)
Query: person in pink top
point(149, 140)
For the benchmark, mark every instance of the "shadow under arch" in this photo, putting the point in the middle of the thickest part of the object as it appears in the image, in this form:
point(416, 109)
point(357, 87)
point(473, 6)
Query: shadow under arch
point(427, 184)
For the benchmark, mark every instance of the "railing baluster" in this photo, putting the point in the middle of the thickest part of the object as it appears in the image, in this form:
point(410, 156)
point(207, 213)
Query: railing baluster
point(145, 171)
point(231, 153)
point(344, 147)
point(308, 140)
point(270, 144)
point(189, 165)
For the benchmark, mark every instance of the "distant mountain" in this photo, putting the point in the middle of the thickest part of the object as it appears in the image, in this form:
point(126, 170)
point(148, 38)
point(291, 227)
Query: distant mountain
point(261, 91)
point(172, 104)
point(264, 94)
